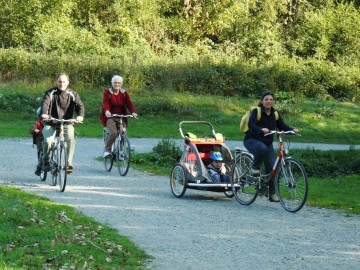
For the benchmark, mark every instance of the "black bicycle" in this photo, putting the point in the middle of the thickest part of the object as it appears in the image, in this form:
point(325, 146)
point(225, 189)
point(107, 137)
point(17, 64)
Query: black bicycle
point(120, 151)
point(58, 155)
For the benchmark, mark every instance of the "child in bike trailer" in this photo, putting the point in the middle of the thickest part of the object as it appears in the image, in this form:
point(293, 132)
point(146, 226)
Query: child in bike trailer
point(37, 136)
point(217, 169)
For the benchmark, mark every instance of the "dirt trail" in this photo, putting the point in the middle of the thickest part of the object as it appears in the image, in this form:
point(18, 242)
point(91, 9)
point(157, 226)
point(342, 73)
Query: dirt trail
point(203, 230)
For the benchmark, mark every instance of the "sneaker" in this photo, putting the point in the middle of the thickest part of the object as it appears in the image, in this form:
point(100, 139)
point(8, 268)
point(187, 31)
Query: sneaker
point(38, 170)
point(107, 154)
point(69, 169)
point(46, 166)
point(274, 198)
point(255, 172)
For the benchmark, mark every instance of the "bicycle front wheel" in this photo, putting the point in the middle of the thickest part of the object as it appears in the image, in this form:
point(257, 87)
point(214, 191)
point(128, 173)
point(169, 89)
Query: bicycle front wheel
point(291, 184)
point(245, 191)
point(62, 167)
point(123, 155)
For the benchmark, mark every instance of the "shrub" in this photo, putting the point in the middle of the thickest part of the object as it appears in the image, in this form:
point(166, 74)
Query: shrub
point(164, 154)
point(329, 164)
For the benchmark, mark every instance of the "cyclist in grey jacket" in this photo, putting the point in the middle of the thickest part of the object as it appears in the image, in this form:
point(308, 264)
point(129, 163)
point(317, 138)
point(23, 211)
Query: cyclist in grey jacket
point(60, 102)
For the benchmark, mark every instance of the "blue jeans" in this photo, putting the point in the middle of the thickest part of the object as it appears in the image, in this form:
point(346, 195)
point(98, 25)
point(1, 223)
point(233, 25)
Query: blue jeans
point(262, 153)
point(220, 178)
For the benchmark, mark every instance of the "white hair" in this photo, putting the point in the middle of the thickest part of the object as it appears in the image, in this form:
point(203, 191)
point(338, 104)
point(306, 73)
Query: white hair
point(116, 78)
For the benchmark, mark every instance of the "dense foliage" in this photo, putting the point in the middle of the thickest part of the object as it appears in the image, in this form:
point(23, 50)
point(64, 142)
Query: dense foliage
point(232, 47)
point(329, 164)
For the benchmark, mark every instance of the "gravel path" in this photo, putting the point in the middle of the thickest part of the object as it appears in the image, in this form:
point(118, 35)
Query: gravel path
point(203, 230)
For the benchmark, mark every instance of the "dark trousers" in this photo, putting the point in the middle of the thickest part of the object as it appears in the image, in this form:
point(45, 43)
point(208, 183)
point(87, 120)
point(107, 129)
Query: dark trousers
point(263, 153)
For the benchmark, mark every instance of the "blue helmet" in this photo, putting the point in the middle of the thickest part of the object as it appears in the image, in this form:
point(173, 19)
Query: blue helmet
point(216, 156)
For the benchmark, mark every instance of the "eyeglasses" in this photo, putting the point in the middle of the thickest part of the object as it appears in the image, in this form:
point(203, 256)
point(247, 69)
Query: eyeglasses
point(117, 82)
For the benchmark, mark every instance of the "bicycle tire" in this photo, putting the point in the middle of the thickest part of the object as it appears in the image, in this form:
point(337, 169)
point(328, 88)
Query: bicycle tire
point(53, 166)
point(245, 191)
point(123, 155)
point(291, 183)
point(178, 181)
point(43, 174)
point(62, 167)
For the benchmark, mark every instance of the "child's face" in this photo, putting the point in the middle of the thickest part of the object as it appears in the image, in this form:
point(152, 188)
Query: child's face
point(216, 164)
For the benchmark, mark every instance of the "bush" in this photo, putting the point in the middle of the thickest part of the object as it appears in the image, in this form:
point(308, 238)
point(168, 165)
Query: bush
point(218, 76)
point(164, 154)
point(329, 164)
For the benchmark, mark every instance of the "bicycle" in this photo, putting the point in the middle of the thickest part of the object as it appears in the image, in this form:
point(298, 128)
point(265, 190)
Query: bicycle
point(290, 178)
point(120, 150)
point(58, 155)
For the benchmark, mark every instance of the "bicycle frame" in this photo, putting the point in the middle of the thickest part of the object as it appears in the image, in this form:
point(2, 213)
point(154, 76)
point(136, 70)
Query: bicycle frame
point(280, 157)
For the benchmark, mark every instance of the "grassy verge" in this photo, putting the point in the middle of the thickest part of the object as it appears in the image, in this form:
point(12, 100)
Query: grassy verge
point(160, 111)
point(38, 234)
point(340, 193)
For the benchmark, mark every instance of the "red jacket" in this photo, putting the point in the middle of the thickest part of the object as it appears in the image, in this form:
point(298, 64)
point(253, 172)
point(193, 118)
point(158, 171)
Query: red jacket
point(116, 104)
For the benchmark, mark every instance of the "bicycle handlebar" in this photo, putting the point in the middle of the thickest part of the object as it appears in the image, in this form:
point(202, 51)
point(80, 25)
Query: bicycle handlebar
point(122, 116)
point(61, 120)
point(290, 132)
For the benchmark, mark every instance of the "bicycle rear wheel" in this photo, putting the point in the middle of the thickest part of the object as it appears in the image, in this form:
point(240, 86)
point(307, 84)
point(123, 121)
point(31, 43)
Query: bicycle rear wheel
point(43, 174)
point(123, 155)
point(245, 191)
point(108, 161)
point(291, 184)
point(62, 167)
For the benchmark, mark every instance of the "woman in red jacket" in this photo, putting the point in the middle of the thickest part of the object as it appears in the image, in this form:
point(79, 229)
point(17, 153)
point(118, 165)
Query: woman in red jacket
point(116, 100)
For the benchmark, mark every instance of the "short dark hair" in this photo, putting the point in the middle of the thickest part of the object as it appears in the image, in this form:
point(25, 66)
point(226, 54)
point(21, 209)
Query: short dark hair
point(267, 93)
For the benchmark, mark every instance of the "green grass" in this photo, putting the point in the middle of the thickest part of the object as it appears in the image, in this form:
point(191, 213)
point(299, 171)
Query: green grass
point(340, 193)
point(160, 111)
point(38, 234)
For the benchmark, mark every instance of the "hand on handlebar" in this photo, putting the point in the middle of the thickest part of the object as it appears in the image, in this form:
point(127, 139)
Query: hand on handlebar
point(45, 116)
point(80, 119)
point(265, 131)
point(107, 114)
